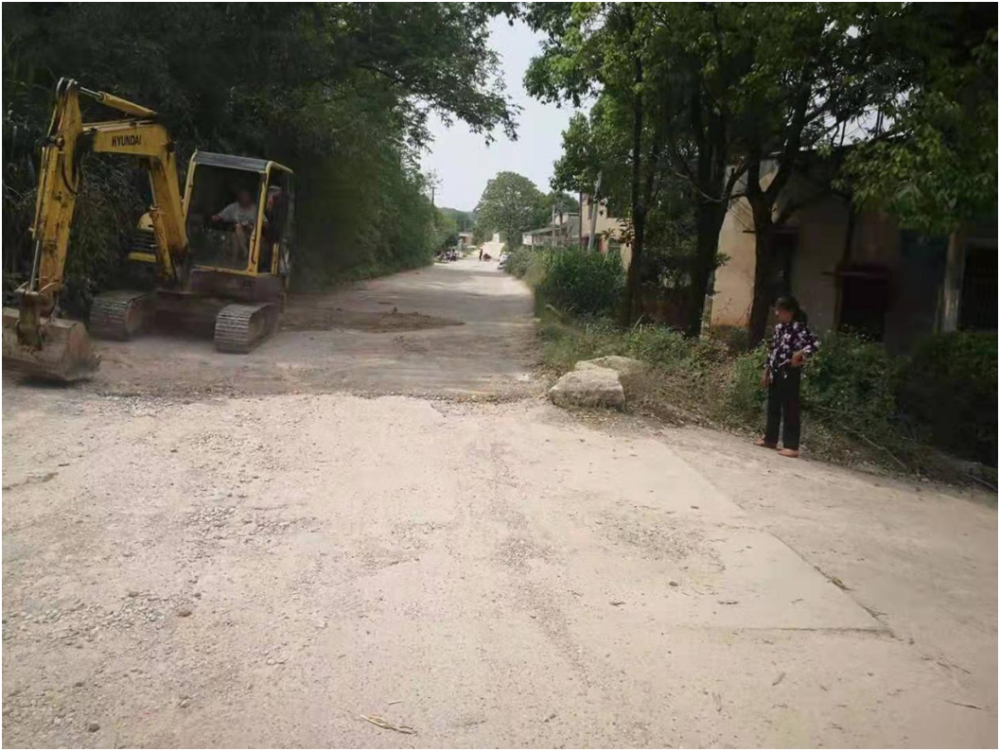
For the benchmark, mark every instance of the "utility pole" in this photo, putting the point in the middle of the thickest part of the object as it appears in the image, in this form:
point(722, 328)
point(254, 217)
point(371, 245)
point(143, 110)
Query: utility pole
point(433, 181)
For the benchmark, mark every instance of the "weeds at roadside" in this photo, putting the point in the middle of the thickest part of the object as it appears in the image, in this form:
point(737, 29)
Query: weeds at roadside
point(862, 405)
point(850, 412)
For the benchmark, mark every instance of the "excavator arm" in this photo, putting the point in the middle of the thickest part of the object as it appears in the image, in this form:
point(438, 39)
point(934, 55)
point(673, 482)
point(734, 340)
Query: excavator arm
point(139, 135)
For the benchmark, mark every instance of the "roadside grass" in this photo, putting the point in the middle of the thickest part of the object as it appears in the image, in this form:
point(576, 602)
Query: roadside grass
point(849, 411)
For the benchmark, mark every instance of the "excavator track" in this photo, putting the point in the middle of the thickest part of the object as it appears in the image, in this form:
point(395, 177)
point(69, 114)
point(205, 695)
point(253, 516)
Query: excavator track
point(239, 327)
point(122, 315)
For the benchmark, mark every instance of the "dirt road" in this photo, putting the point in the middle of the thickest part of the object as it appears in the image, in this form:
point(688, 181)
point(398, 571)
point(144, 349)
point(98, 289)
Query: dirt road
point(446, 330)
point(270, 568)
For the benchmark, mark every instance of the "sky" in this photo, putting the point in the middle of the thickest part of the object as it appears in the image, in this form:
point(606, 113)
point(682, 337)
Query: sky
point(462, 160)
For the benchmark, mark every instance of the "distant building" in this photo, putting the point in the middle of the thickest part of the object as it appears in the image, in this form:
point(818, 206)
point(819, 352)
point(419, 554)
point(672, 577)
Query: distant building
point(464, 241)
point(607, 229)
point(563, 229)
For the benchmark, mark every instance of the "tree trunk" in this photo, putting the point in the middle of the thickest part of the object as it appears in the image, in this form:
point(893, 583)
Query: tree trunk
point(709, 218)
point(633, 279)
point(954, 270)
point(761, 305)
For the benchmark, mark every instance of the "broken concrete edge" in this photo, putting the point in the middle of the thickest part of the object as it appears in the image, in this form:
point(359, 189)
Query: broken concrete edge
point(621, 365)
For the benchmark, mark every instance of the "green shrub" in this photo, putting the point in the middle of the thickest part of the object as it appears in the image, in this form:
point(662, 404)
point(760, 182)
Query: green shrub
point(566, 344)
point(670, 349)
point(743, 398)
point(537, 264)
point(850, 382)
point(948, 390)
point(582, 283)
point(657, 345)
point(847, 385)
point(736, 339)
point(518, 262)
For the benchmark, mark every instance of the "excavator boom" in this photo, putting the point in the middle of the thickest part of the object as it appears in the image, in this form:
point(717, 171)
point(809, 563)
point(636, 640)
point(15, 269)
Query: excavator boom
point(34, 339)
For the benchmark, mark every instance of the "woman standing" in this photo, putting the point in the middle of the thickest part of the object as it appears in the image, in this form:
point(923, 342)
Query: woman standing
point(791, 344)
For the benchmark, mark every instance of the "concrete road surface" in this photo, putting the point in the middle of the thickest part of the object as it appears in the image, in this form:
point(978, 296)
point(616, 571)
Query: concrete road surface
point(186, 567)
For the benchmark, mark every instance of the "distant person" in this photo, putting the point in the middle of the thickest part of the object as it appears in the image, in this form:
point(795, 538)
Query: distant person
point(480, 254)
point(791, 344)
point(242, 214)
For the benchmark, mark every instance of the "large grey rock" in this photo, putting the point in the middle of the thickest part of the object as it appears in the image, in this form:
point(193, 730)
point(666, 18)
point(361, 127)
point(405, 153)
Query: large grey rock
point(621, 365)
point(589, 387)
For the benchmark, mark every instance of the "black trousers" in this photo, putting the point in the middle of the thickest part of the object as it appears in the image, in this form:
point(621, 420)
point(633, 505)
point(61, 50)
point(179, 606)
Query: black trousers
point(783, 402)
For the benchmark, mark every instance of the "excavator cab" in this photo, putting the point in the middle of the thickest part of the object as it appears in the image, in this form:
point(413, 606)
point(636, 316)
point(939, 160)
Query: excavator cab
point(225, 270)
point(239, 223)
point(246, 261)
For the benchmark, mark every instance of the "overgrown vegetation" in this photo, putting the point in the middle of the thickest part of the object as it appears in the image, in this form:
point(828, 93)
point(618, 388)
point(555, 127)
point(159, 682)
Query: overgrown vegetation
point(585, 284)
point(860, 403)
point(519, 261)
point(339, 92)
point(948, 392)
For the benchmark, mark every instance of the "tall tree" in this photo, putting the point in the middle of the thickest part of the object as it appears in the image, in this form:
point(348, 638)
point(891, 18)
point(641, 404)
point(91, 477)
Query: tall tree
point(816, 69)
point(509, 205)
point(735, 98)
point(700, 63)
point(598, 145)
point(604, 48)
point(663, 75)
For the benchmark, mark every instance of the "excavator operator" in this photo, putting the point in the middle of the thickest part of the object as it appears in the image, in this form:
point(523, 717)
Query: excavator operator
point(242, 214)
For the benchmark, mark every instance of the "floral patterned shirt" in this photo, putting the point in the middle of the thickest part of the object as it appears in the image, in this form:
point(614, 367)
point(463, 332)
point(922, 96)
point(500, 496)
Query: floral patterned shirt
point(790, 338)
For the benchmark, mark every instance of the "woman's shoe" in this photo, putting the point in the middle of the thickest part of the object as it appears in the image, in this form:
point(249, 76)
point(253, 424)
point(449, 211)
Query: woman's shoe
point(764, 444)
point(790, 453)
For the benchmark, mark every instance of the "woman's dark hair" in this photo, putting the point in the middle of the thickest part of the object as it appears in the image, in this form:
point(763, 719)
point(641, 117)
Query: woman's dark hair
point(789, 303)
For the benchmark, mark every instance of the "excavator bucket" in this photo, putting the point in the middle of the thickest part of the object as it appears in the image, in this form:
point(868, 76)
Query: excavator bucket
point(65, 354)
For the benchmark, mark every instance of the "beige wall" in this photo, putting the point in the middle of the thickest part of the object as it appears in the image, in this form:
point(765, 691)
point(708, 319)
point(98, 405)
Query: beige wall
point(606, 227)
point(734, 279)
point(605, 224)
point(822, 233)
point(626, 253)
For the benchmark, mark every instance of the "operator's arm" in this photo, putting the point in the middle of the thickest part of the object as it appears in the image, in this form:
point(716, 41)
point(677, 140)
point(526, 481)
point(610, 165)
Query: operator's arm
point(228, 214)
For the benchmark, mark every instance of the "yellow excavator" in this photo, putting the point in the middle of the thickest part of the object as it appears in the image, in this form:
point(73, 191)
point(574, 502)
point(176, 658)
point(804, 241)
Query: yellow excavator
point(219, 256)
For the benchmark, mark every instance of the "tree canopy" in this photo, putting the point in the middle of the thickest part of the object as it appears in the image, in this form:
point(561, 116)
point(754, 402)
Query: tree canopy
point(604, 49)
point(931, 158)
point(510, 205)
